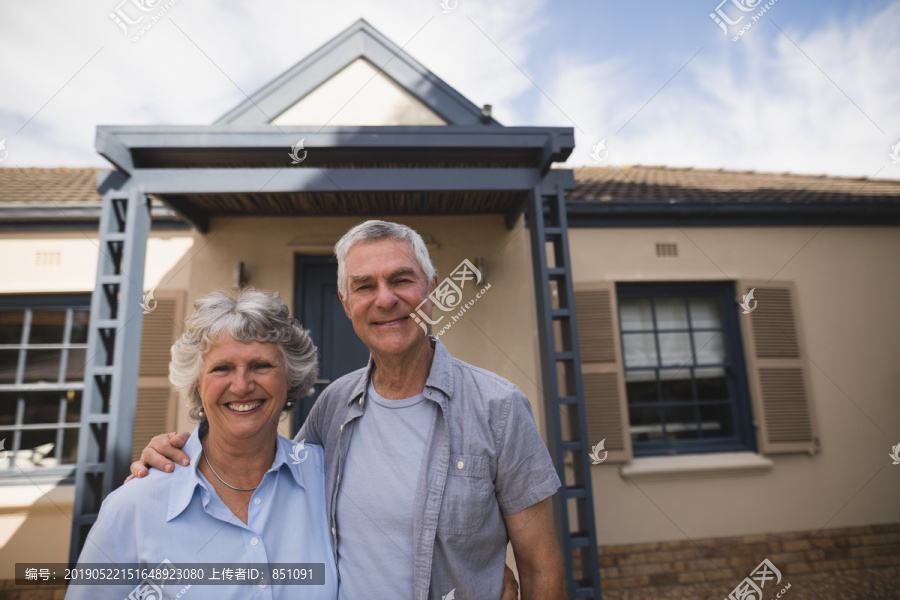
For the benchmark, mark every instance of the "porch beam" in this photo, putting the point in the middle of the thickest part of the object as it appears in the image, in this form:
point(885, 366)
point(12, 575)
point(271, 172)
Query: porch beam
point(285, 180)
point(549, 144)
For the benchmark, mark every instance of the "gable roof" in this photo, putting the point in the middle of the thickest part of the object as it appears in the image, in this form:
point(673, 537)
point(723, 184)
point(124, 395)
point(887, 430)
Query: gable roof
point(61, 198)
point(645, 184)
point(360, 40)
point(643, 196)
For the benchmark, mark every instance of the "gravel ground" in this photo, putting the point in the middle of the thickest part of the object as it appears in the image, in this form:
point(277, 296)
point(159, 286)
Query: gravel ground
point(863, 584)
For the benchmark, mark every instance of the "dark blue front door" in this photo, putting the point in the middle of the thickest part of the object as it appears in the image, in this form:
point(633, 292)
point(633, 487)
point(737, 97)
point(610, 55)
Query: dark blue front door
point(317, 305)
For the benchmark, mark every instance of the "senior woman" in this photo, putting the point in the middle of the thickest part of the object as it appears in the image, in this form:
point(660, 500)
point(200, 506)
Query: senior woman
point(249, 495)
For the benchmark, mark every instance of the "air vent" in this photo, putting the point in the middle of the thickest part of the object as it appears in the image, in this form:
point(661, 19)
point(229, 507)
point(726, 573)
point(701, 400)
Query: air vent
point(666, 250)
point(47, 259)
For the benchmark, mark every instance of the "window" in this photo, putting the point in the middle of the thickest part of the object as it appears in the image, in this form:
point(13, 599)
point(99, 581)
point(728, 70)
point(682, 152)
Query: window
point(671, 368)
point(43, 343)
point(684, 370)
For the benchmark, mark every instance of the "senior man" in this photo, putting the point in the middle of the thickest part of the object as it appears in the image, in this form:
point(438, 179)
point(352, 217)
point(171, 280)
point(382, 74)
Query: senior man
point(432, 464)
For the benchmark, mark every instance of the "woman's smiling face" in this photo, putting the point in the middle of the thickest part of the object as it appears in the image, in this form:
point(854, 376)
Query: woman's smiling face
point(243, 387)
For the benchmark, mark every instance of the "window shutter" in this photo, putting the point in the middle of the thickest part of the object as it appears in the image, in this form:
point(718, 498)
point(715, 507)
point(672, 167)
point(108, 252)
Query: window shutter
point(605, 402)
point(776, 369)
point(156, 400)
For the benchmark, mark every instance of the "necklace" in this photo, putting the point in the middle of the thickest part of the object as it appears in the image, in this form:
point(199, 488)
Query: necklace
point(225, 482)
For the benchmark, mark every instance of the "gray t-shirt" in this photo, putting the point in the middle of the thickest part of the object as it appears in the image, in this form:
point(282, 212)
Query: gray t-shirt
point(376, 497)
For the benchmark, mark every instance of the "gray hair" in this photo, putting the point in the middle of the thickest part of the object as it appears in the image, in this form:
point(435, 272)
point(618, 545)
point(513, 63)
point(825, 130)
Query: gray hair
point(248, 315)
point(373, 231)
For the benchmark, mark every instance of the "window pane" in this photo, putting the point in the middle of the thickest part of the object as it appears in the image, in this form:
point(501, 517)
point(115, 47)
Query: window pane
point(681, 423)
point(676, 386)
point(73, 407)
point(710, 349)
point(671, 314)
point(42, 407)
point(645, 424)
point(70, 447)
point(80, 320)
point(38, 449)
point(47, 326)
point(640, 386)
point(705, 312)
point(7, 412)
point(640, 350)
point(11, 323)
point(75, 366)
point(9, 359)
point(711, 384)
point(635, 314)
point(717, 420)
point(42, 366)
point(675, 349)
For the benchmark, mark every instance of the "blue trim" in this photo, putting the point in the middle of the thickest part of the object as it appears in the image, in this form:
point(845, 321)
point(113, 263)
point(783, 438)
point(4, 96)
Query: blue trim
point(860, 211)
point(360, 40)
point(268, 181)
point(48, 300)
point(735, 367)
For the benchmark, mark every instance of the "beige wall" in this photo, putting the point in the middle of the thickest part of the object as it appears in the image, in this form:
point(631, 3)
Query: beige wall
point(847, 284)
point(56, 262)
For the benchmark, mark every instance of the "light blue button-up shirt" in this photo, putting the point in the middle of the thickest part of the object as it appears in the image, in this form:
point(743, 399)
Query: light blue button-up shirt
point(179, 517)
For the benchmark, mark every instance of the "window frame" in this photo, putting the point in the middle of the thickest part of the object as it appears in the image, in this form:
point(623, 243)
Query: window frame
point(31, 302)
point(735, 364)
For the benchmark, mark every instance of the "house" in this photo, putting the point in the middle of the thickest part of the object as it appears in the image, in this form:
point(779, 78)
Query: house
point(710, 355)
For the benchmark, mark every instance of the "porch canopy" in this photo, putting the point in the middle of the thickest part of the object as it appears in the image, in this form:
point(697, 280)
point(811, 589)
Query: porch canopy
point(227, 170)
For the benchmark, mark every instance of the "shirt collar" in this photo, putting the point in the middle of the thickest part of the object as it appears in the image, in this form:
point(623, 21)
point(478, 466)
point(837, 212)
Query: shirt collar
point(185, 480)
point(440, 377)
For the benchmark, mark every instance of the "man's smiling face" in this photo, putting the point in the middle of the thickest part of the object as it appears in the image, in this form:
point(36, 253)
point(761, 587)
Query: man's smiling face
point(384, 285)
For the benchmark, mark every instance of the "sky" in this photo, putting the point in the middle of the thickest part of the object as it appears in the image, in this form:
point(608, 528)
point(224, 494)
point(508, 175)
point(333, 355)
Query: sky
point(812, 86)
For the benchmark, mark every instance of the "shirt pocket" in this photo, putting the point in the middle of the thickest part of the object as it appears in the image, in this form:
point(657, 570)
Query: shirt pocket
point(468, 495)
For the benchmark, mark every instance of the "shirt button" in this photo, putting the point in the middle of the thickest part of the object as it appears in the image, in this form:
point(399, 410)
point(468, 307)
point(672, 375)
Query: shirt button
point(360, 401)
point(254, 542)
point(333, 532)
point(262, 584)
point(342, 427)
point(256, 501)
point(339, 478)
point(460, 465)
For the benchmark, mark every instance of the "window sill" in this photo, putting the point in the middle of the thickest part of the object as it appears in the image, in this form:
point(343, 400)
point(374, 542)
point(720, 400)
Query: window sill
point(691, 466)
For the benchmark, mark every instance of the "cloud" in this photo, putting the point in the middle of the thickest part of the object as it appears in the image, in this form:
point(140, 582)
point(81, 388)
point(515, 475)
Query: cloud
point(822, 103)
point(758, 104)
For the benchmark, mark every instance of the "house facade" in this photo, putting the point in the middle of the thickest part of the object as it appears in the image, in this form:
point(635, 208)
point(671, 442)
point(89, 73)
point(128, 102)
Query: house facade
point(710, 355)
